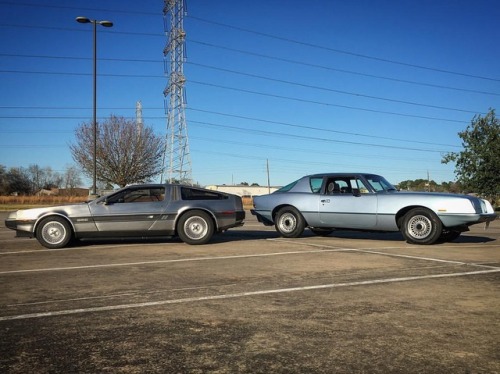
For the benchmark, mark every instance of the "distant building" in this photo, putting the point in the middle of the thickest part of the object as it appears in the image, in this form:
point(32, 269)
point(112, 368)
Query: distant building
point(243, 190)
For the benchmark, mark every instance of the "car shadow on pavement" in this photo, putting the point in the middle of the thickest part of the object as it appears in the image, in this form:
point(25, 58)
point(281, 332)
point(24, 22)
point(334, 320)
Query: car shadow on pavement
point(224, 237)
point(235, 235)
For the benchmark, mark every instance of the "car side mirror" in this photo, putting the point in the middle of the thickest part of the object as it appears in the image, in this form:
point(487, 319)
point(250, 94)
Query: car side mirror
point(356, 192)
point(107, 201)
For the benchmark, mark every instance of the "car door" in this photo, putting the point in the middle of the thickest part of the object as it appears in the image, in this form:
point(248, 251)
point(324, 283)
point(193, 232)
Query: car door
point(347, 203)
point(131, 211)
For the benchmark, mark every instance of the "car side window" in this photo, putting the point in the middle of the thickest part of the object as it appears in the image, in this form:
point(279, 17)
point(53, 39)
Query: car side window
point(316, 183)
point(138, 195)
point(338, 186)
point(358, 183)
point(195, 194)
point(345, 185)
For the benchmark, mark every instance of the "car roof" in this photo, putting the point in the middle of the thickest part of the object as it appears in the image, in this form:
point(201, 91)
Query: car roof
point(336, 174)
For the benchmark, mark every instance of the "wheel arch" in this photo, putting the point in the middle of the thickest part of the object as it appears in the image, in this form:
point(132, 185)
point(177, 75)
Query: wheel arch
point(54, 214)
point(208, 211)
point(278, 207)
point(402, 212)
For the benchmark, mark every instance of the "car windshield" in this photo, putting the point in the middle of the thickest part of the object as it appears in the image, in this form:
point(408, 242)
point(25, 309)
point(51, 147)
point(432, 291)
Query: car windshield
point(379, 183)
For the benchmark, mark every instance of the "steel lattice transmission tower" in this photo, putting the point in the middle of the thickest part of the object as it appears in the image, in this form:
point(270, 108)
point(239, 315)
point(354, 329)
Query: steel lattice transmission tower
point(177, 158)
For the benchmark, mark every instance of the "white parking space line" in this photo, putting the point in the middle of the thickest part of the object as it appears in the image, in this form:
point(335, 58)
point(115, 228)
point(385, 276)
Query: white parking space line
point(239, 295)
point(215, 258)
point(97, 246)
point(378, 252)
point(324, 248)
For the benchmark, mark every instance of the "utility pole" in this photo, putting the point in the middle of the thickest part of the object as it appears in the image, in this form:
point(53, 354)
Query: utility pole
point(94, 93)
point(268, 179)
point(177, 157)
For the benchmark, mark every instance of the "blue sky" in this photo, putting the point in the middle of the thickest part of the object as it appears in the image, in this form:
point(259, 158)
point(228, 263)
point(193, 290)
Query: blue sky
point(312, 86)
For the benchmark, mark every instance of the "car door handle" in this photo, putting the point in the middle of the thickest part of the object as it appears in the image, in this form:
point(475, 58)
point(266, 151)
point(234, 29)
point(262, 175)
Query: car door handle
point(325, 201)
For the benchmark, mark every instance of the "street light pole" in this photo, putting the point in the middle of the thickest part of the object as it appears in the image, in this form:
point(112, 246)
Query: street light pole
point(94, 111)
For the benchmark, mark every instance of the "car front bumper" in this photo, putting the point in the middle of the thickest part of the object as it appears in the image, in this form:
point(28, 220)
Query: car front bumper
point(453, 220)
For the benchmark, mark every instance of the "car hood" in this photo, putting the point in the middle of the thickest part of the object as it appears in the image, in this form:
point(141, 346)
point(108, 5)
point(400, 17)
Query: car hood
point(436, 194)
point(72, 210)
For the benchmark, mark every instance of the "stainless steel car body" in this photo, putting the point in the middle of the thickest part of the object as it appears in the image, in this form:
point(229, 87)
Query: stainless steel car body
point(147, 210)
point(368, 202)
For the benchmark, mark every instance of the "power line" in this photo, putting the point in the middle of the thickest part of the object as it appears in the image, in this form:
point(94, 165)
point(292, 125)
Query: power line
point(329, 68)
point(246, 91)
point(248, 75)
point(325, 104)
point(343, 51)
point(288, 124)
point(289, 40)
point(306, 127)
point(330, 89)
point(304, 137)
point(260, 55)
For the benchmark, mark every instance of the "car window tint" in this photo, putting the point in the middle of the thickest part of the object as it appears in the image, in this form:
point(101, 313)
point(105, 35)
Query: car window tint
point(339, 185)
point(139, 195)
point(358, 183)
point(288, 187)
point(316, 183)
point(195, 194)
point(379, 183)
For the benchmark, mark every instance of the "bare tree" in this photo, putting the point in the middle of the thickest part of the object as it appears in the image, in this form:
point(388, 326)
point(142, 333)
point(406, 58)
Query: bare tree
point(71, 178)
point(43, 178)
point(126, 152)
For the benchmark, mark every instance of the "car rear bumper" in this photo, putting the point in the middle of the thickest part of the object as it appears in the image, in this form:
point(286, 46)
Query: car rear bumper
point(261, 218)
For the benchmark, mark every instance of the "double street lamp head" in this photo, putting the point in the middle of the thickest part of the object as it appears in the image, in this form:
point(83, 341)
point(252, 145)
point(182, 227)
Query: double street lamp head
point(87, 20)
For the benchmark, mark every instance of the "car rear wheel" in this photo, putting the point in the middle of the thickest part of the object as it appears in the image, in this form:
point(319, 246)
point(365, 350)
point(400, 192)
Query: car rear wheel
point(421, 226)
point(54, 232)
point(195, 227)
point(289, 222)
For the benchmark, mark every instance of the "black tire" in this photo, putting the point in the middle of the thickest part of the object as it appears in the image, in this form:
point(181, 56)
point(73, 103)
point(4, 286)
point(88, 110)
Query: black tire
point(289, 222)
point(54, 232)
point(195, 227)
point(321, 231)
point(421, 226)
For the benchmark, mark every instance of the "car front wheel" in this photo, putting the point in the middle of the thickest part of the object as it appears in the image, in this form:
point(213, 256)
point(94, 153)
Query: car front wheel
point(421, 226)
point(53, 232)
point(289, 222)
point(195, 227)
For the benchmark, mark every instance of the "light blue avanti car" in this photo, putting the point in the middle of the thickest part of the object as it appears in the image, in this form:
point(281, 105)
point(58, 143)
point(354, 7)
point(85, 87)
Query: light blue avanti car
point(324, 202)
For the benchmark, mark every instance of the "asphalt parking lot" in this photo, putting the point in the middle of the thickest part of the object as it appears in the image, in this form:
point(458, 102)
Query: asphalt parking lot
point(251, 302)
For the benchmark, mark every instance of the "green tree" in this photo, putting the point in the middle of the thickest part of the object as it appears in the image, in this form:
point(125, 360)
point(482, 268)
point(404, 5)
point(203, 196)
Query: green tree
point(4, 182)
point(477, 167)
point(18, 181)
point(126, 152)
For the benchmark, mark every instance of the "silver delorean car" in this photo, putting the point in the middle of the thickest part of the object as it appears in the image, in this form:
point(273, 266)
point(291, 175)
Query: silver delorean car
point(142, 211)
